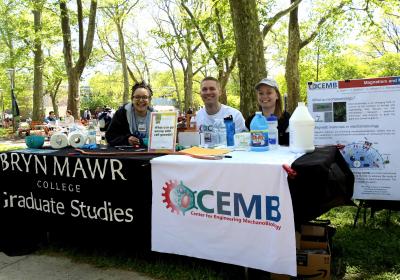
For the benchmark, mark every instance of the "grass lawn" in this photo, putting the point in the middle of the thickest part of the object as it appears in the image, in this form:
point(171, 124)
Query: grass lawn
point(7, 134)
point(370, 251)
point(6, 147)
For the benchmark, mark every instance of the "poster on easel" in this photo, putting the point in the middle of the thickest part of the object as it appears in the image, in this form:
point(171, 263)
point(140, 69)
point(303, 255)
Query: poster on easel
point(364, 116)
point(162, 135)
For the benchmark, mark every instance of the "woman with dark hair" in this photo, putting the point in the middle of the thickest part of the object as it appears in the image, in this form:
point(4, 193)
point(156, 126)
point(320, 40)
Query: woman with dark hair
point(69, 118)
point(131, 122)
point(270, 102)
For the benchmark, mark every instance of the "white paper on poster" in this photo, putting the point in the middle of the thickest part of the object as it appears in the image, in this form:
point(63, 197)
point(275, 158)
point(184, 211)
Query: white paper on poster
point(162, 136)
point(225, 211)
point(363, 115)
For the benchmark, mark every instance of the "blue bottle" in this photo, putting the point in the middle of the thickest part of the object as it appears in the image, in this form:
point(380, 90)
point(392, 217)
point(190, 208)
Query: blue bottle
point(259, 133)
point(230, 130)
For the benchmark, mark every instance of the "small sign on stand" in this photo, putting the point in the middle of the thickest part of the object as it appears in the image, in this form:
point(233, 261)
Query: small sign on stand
point(162, 136)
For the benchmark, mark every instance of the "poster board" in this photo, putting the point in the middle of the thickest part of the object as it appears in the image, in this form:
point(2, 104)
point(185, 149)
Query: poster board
point(364, 116)
point(162, 135)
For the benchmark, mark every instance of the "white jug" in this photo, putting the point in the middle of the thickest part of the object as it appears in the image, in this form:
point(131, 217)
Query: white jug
point(301, 130)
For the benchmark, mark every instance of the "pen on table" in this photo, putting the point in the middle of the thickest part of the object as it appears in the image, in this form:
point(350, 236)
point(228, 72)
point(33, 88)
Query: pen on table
point(227, 156)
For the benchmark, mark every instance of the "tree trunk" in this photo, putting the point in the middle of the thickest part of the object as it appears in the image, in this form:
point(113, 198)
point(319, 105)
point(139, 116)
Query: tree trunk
point(55, 105)
point(223, 81)
point(38, 106)
point(189, 74)
point(178, 93)
point(188, 87)
point(292, 74)
point(73, 103)
point(85, 48)
point(53, 95)
point(121, 41)
point(250, 51)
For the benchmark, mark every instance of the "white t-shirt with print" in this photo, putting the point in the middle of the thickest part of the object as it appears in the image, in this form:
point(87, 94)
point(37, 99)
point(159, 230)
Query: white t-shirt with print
point(205, 121)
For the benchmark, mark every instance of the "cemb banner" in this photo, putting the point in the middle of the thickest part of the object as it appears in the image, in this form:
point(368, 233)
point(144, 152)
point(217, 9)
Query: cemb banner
point(227, 210)
point(364, 116)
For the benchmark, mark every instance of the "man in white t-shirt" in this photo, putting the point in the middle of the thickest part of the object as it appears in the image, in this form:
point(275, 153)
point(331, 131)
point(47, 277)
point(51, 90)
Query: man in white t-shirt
point(213, 109)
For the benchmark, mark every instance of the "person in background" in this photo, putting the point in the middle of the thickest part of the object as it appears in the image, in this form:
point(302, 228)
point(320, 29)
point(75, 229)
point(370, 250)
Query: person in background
point(50, 118)
point(7, 122)
point(270, 102)
point(87, 115)
point(104, 118)
point(131, 122)
point(98, 111)
point(69, 118)
point(210, 92)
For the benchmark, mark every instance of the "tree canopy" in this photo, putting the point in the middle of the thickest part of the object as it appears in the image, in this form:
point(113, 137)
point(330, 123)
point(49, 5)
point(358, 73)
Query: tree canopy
point(59, 46)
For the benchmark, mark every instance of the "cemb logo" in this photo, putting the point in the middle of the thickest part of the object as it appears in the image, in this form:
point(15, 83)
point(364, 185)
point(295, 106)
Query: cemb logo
point(324, 85)
point(180, 199)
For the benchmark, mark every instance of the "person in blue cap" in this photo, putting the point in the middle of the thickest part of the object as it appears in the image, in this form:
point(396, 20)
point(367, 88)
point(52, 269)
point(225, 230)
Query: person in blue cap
point(270, 102)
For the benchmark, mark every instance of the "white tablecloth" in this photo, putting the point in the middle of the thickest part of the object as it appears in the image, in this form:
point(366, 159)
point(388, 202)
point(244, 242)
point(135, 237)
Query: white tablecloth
point(237, 210)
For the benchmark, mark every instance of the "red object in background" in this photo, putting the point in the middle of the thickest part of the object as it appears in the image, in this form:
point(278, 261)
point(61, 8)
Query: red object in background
point(291, 172)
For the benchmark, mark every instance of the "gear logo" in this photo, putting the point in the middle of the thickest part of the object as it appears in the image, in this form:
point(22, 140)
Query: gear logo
point(178, 197)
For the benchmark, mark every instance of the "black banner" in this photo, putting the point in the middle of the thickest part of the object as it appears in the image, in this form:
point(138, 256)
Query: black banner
point(56, 191)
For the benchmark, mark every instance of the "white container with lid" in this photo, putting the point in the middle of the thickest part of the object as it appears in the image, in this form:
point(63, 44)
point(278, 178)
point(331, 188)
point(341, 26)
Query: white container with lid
point(273, 133)
point(301, 130)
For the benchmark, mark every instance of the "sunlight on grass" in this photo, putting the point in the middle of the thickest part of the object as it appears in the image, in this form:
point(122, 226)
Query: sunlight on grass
point(5, 147)
point(369, 251)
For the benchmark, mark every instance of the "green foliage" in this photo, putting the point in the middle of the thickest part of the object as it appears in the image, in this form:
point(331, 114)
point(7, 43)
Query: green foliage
point(233, 90)
point(105, 90)
point(386, 65)
point(352, 45)
point(163, 84)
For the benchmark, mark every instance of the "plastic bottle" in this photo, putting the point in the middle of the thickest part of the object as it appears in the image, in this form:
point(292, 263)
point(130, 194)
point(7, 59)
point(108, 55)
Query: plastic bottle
point(98, 135)
point(273, 134)
point(91, 133)
point(221, 131)
point(259, 133)
point(301, 130)
point(214, 134)
point(192, 123)
point(230, 130)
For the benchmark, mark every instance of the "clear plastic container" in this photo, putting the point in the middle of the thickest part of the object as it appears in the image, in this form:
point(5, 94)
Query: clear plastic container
point(192, 123)
point(91, 133)
point(259, 133)
point(273, 134)
point(220, 130)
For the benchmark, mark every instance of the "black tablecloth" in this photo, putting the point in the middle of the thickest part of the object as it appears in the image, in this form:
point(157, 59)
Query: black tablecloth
point(109, 197)
point(323, 181)
point(102, 197)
